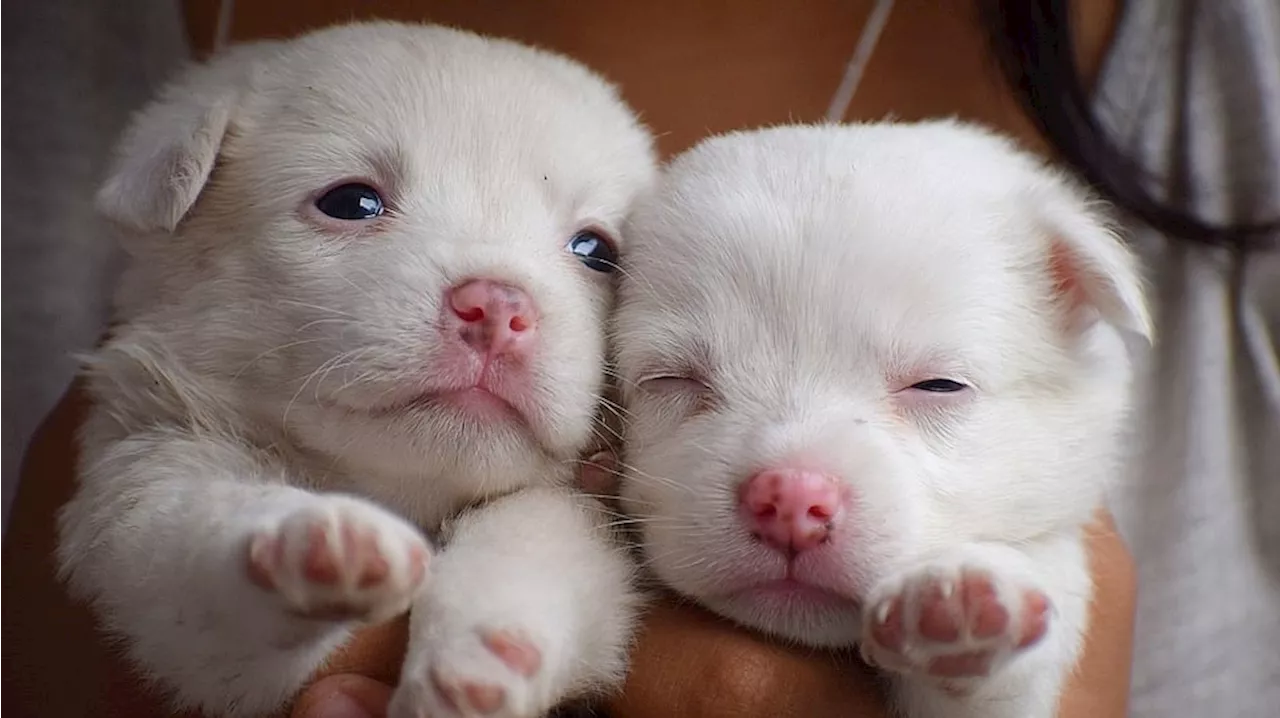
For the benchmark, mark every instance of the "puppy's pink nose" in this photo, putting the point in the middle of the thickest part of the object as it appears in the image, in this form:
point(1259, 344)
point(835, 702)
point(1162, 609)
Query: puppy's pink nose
point(792, 510)
point(492, 317)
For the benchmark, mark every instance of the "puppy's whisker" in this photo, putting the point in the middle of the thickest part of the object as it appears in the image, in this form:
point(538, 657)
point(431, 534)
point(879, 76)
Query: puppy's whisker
point(319, 382)
point(612, 372)
point(620, 475)
point(631, 472)
point(633, 521)
point(699, 446)
point(372, 279)
point(271, 351)
point(318, 308)
point(602, 509)
point(288, 407)
point(635, 276)
point(357, 287)
point(650, 560)
point(616, 409)
point(349, 361)
point(330, 320)
point(284, 420)
point(625, 517)
point(363, 377)
point(612, 436)
point(631, 501)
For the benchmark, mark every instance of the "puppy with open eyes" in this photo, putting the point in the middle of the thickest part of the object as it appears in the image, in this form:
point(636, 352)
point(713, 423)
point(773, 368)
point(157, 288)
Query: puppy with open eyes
point(370, 269)
point(876, 382)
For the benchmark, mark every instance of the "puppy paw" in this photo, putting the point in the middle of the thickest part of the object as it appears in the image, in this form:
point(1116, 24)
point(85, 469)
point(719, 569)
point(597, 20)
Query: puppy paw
point(951, 621)
point(342, 559)
point(491, 672)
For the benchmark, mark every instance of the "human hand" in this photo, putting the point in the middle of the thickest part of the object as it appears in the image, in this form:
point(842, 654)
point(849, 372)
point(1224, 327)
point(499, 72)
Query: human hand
point(688, 663)
point(347, 695)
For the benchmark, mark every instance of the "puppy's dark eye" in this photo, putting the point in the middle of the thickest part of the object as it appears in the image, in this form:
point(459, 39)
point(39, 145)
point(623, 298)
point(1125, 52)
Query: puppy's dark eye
point(594, 251)
point(939, 386)
point(351, 202)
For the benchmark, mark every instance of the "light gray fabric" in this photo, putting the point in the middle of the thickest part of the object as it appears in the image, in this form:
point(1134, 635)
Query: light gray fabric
point(1192, 90)
point(73, 71)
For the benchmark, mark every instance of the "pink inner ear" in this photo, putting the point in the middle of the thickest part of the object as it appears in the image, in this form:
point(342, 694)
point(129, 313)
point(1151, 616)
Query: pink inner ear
point(1069, 284)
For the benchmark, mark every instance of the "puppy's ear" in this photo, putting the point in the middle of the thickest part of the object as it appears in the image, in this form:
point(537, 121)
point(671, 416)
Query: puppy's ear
point(165, 156)
point(1094, 274)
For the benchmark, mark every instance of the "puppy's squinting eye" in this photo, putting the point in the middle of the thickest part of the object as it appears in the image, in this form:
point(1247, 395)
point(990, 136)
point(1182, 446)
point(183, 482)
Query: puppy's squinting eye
point(594, 251)
point(673, 384)
point(353, 201)
point(939, 386)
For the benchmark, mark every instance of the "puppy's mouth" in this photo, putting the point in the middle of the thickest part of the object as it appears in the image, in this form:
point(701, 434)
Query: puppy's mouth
point(790, 591)
point(813, 581)
point(476, 401)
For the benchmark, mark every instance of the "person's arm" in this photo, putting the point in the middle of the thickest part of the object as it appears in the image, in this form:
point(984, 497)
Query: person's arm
point(1100, 685)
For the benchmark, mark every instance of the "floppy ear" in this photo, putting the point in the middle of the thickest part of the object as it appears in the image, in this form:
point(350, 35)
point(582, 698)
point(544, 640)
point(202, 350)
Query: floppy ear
point(165, 156)
point(1095, 275)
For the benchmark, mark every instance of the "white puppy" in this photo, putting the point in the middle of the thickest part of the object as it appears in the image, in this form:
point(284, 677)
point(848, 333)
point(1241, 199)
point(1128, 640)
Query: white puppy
point(370, 272)
point(876, 389)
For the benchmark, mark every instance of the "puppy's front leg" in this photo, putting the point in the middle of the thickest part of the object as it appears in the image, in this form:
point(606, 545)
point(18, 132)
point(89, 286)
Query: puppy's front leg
point(228, 586)
point(982, 630)
point(530, 603)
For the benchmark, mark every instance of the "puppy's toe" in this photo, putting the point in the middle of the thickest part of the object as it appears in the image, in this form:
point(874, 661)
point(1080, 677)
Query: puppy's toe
point(340, 559)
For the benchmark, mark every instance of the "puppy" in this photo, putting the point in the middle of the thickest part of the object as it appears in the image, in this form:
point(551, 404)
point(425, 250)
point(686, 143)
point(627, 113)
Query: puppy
point(876, 381)
point(370, 272)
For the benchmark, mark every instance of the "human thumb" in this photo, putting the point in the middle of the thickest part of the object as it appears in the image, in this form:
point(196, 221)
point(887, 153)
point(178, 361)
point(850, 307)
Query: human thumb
point(343, 696)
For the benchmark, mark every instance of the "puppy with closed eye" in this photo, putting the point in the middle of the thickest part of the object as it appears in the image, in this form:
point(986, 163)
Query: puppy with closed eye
point(876, 381)
point(370, 269)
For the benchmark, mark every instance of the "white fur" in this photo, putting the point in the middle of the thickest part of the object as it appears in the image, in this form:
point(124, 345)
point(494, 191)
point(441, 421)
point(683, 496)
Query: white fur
point(241, 405)
point(784, 288)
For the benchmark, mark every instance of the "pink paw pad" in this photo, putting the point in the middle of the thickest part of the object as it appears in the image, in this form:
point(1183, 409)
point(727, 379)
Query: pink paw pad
point(355, 559)
point(962, 665)
point(336, 567)
point(463, 696)
point(955, 628)
point(1035, 618)
point(516, 651)
point(264, 554)
point(889, 631)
